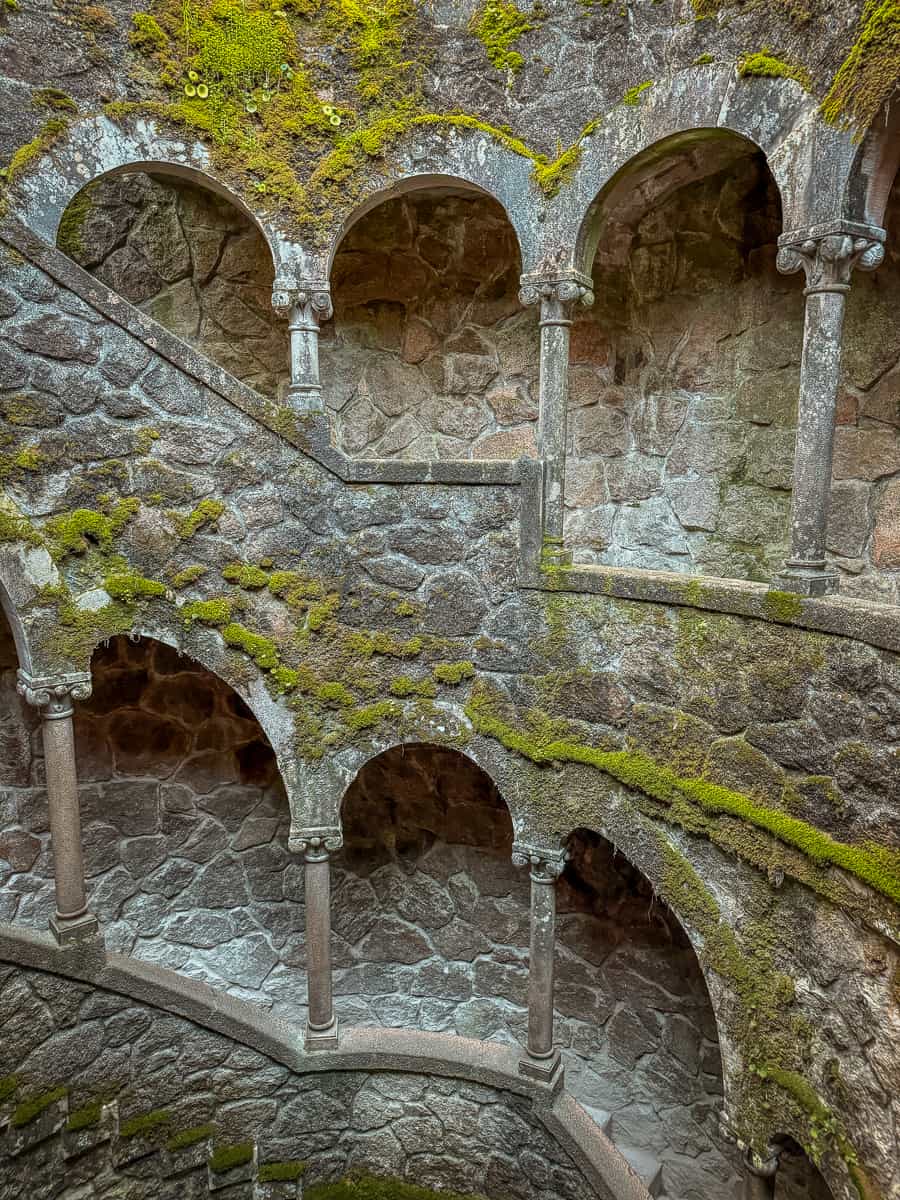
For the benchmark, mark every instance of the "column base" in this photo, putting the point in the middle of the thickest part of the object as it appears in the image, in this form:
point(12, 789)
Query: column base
point(76, 929)
point(325, 1038)
point(807, 580)
point(305, 399)
point(547, 1071)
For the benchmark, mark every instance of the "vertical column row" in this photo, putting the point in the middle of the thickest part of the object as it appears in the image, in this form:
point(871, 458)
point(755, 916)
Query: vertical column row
point(827, 254)
point(317, 846)
point(54, 697)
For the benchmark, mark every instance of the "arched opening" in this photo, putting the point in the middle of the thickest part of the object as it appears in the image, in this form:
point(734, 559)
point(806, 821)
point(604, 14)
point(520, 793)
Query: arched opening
point(188, 258)
point(20, 848)
point(798, 1177)
point(430, 354)
point(864, 519)
point(431, 925)
point(685, 372)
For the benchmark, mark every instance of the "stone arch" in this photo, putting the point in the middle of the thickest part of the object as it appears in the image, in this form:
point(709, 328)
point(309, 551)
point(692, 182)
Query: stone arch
point(798, 1176)
point(430, 353)
point(96, 147)
point(874, 169)
point(16, 628)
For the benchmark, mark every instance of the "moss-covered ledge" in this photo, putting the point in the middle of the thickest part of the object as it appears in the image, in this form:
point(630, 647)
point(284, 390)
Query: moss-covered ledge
point(361, 1049)
point(863, 620)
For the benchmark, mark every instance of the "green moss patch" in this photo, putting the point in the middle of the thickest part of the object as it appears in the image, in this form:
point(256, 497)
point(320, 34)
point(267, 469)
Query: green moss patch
point(30, 1110)
point(498, 25)
point(9, 1085)
point(874, 865)
point(765, 65)
point(870, 74)
point(207, 512)
point(370, 1187)
point(226, 1158)
point(85, 1117)
point(145, 1125)
point(133, 587)
point(453, 673)
point(279, 1172)
point(190, 1137)
point(246, 576)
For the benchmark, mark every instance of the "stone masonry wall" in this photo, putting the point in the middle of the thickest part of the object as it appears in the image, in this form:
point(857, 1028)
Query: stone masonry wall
point(684, 374)
point(435, 1132)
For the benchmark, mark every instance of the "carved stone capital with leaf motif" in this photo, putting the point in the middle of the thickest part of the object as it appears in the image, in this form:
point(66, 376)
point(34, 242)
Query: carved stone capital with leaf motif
point(307, 304)
point(546, 864)
point(317, 843)
point(828, 254)
point(54, 694)
point(565, 288)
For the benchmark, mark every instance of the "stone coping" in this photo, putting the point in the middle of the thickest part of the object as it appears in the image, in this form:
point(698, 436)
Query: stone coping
point(492, 1064)
point(863, 620)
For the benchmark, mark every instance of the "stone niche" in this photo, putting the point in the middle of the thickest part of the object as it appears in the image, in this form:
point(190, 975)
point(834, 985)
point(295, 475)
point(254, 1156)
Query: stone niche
point(685, 372)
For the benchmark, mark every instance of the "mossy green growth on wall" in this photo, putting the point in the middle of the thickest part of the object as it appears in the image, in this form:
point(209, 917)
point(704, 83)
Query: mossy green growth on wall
point(875, 865)
point(498, 25)
point(360, 1186)
point(870, 74)
point(764, 65)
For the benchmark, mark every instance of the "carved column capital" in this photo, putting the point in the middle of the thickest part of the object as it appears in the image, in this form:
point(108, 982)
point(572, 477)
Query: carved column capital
point(828, 254)
point(566, 288)
point(53, 693)
point(317, 843)
point(306, 303)
point(546, 865)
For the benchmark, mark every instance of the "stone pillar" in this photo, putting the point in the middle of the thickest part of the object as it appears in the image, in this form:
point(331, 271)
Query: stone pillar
point(305, 306)
point(316, 845)
point(54, 696)
point(557, 293)
point(542, 1061)
point(759, 1182)
point(827, 254)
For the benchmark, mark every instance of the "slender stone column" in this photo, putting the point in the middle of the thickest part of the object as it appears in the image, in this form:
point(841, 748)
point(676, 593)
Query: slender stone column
point(827, 254)
point(305, 306)
point(542, 1061)
point(759, 1182)
point(54, 695)
point(317, 845)
point(557, 293)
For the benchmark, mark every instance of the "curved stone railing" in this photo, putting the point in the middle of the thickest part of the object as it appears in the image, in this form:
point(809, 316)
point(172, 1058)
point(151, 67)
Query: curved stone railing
point(490, 1064)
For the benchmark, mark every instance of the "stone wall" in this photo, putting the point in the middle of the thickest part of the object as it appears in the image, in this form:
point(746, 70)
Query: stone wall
point(436, 1132)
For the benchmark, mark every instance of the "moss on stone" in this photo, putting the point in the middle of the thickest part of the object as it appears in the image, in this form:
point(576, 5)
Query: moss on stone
point(25, 157)
point(8, 1087)
point(77, 531)
point(30, 1110)
point(188, 575)
point(215, 612)
point(782, 606)
point(632, 97)
point(765, 65)
point(16, 528)
point(147, 34)
point(453, 673)
point(261, 649)
point(370, 715)
point(190, 1137)
point(226, 1158)
point(405, 685)
point(207, 512)
point(874, 865)
point(336, 694)
point(85, 1117)
point(498, 25)
point(360, 1186)
point(130, 587)
point(870, 74)
point(246, 575)
point(281, 1172)
point(145, 1124)
point(69, 236)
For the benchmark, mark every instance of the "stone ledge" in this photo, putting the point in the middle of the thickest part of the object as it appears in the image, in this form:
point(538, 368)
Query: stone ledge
point(863, 620)
point(362, 1049)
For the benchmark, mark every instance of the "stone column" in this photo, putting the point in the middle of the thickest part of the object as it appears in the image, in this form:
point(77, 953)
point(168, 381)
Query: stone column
point(827, 254)
point(542, 1061)
point(305, 306)
point(316, 845)
point(54, 696)
point(759, 1182)
point(557, 293)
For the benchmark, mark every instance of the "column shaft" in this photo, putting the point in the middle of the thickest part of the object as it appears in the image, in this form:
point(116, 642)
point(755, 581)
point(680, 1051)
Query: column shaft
point(819, 376)
point(552, 424)
point(304, 333)
point(321, 1023)
point(65, 815)
point(541, 964)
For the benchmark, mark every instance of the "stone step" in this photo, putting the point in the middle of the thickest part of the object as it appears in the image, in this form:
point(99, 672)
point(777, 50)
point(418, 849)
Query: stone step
point(601, 1118)
point(647, 1165)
